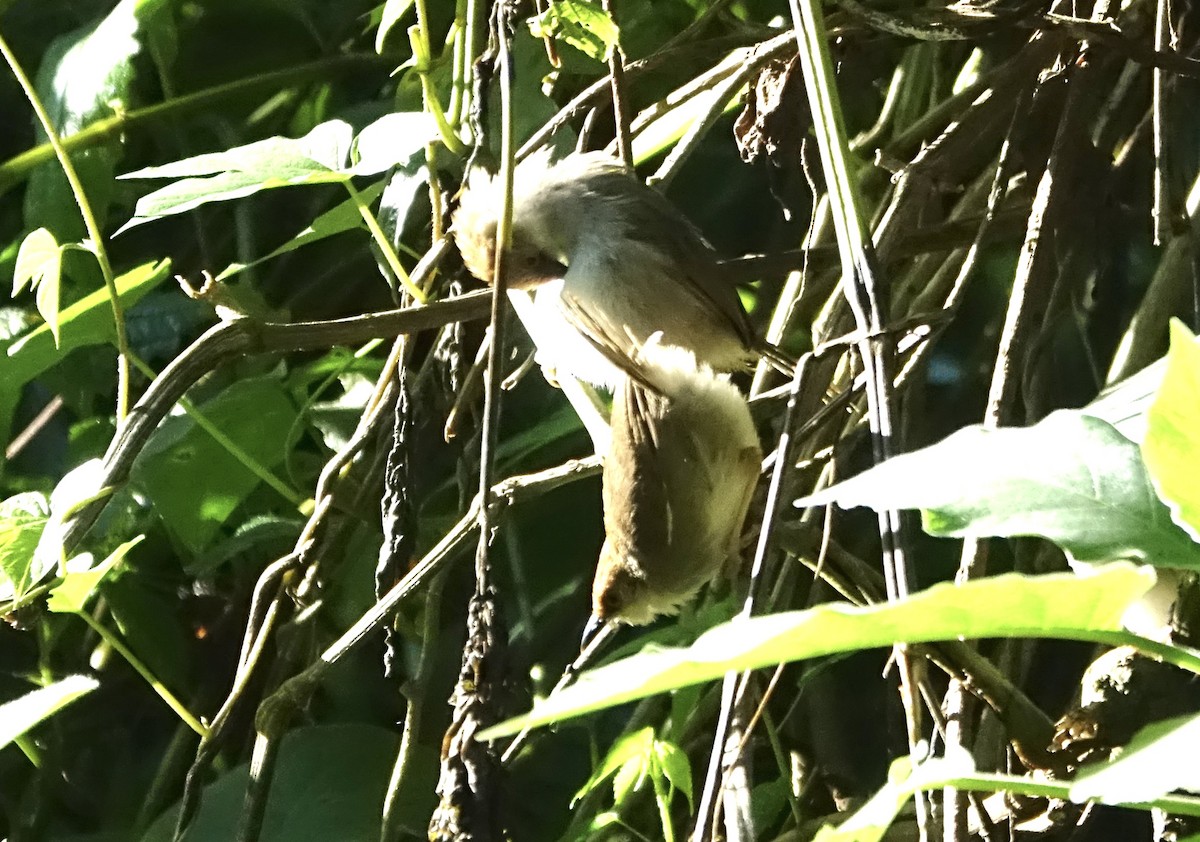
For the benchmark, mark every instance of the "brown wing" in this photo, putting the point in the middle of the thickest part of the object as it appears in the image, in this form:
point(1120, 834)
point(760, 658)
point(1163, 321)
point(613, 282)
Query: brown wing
point(603, 337)
point(651, 217)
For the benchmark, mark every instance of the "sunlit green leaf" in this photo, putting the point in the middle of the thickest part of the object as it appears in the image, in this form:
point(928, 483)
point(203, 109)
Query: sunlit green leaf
point(391, 141)
point(255, 415)
point(1159, 759)
point(85, 76)
point(1172, 443)
point(317, 158)
point(342, 217)
point(89, 321)
point(1071, 478)
point(22, 714)
point(39, 264)
point(72, 594)
point(393, 10)
point(675, 767)
point(581, 23)
point(628, 748)
point(1086, 607)
point(23, 518)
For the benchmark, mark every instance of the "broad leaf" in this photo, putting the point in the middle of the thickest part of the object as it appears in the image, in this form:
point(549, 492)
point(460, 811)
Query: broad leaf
point(317, 158)
point(338, 219)
point(1087, 607)
point(20, 715)
point(85, 76)
point(392, 140)
point(393, 10)
point(1172, 443)
point(1071, 478)
point(72, 594)
point(328, 783)
point(581, 23)
point(23, 518)
point(89, 321)
point(193, 481)
point(39, 266)
point(1160, 758)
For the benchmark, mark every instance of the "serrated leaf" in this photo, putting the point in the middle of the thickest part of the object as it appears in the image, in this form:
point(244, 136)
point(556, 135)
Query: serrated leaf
point(676, 768)
point(77, 586)
point(1159, 759)
point(581, 23)
point(23, 519)
point(1086, 607)
point(1071, 478)
point(1171, 446)
point(20, 715)
point(629, 747)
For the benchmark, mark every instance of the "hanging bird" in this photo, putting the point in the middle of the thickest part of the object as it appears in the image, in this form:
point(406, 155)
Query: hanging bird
point(612, 261)
point(677, 482)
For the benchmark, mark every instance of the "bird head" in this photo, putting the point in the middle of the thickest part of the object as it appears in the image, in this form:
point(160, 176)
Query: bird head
point(552, 208)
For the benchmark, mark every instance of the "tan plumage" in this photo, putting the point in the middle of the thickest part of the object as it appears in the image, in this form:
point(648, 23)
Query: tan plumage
point(677, 483)
point(613, 259)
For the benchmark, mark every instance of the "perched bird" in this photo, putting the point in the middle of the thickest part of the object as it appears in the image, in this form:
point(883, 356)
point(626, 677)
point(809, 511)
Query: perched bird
point(677, 482)
point(611, 260)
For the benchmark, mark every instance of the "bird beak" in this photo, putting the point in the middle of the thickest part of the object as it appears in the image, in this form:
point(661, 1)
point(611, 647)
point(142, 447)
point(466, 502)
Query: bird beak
point(592, 631)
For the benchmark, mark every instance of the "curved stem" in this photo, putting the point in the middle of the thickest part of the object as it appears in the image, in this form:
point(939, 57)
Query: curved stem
point(385, 245)
point(89, 221)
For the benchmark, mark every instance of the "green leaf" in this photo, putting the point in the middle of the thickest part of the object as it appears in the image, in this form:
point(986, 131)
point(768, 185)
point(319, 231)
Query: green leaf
point(630, 747)
point(338, 219)
point(85, 76)
point(1171, 446)
point(1159, 759)
point(20, 715)
point(871, 821)
point(39, 265)
point(328, 784)
point(77, 586)
point(23, 519)
point(675, 767)
point(393, 10)
point(1085, 607)
point(581, 23)
point(1071, 478)
point(151, 625)
point(323, 149)
point(317, 158)
point(89, 321)
point(194, 483)
point(392, 140)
